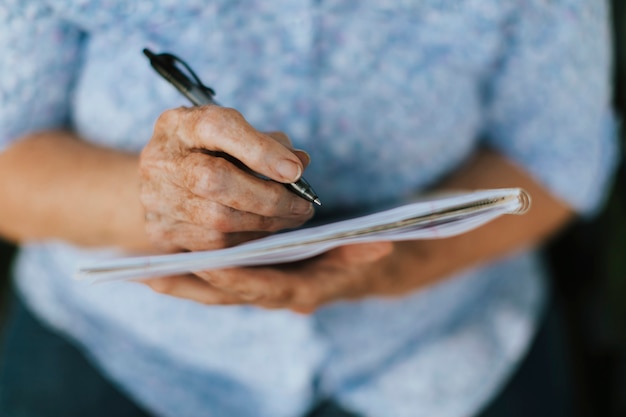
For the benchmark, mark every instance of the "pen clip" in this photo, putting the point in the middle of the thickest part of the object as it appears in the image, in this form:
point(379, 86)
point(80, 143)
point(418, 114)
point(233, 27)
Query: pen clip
point(166, 65)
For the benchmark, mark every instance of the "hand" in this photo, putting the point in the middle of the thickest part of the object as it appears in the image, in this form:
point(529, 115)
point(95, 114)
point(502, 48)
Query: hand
point(385, 268)
point(195, 199)
point(347, 272)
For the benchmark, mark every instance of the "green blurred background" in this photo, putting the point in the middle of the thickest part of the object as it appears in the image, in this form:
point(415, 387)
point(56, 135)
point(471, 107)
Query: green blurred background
point(589, 265)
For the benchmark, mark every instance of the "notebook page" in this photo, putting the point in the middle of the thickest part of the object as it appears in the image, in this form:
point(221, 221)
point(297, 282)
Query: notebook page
point(429, 218)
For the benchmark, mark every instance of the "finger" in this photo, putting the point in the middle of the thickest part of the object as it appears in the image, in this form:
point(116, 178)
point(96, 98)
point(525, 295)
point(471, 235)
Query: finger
point(227, 220)
point(176, 221)
point(223, 129)
point(176, 236)
point(332, 276)
point(304, 157)
point(191, 288)
point(176, 204)
point(216, 179)
point(263, 286)
point(281, 137)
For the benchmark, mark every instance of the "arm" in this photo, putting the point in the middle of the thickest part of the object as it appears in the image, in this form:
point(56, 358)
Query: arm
point(171, 197)
point(386, 268)
point(52, 184)
point(487, 169)
point(56, 186)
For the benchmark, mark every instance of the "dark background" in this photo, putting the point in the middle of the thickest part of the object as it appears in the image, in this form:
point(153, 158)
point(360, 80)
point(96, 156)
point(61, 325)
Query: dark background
point(589, 268)
point(589, 265)
point(6, 254)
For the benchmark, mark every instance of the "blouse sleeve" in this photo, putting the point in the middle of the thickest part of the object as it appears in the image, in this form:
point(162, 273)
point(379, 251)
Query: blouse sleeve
point(40, 59)
point(549, 99)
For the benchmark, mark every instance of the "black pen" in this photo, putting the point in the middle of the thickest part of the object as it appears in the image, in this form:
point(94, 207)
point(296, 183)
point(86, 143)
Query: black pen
point(199, 94)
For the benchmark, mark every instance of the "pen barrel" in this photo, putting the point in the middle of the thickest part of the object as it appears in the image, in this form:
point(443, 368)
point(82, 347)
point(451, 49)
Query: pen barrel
point(201, 95)
point(303, 189)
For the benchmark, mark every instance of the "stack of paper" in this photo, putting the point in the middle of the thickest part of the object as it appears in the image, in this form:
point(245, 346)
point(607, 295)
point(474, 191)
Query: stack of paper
point(431, 218)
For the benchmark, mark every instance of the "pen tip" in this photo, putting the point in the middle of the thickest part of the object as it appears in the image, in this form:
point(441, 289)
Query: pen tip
point(317, 201)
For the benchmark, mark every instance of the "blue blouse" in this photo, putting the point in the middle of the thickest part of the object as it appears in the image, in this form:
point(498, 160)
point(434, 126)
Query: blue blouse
point(387, 97)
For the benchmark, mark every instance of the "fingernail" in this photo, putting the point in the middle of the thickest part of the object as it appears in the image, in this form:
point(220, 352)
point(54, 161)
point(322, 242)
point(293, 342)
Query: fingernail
point(300, 206)
point(289, 170)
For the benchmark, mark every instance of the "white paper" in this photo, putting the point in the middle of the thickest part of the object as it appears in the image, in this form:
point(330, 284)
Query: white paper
point(431, 218)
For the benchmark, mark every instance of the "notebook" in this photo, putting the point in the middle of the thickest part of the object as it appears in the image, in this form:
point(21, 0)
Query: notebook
point(429, 217)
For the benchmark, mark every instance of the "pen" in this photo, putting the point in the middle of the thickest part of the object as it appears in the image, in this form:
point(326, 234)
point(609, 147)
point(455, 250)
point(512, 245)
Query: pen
point(199, 94)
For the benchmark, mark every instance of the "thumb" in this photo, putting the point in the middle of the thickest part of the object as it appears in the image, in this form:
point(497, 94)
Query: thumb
point(283, 139)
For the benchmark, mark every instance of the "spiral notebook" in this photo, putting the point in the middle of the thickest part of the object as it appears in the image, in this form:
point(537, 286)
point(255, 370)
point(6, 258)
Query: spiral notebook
point(432, 217)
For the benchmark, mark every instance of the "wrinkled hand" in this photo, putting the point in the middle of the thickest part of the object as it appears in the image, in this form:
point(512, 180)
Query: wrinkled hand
point(195, 199)
point(347, 272)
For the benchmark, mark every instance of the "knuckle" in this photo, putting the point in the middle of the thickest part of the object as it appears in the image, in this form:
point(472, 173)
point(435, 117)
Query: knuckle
point(209, 120)
point(216, 240)
point(273, 202)
point(272, 199)
point(267, 224)
point(221, 220)
point(217, 178)
point(228, 114)
point(199, 181)
point(207, 177)
point(160, 235)
point(304, 217)
point(167, 120)
point(192, 210)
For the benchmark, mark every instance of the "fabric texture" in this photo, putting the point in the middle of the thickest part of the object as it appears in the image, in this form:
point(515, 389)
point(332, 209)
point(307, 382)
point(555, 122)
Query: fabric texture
point(47, 376)
point(387, 97)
